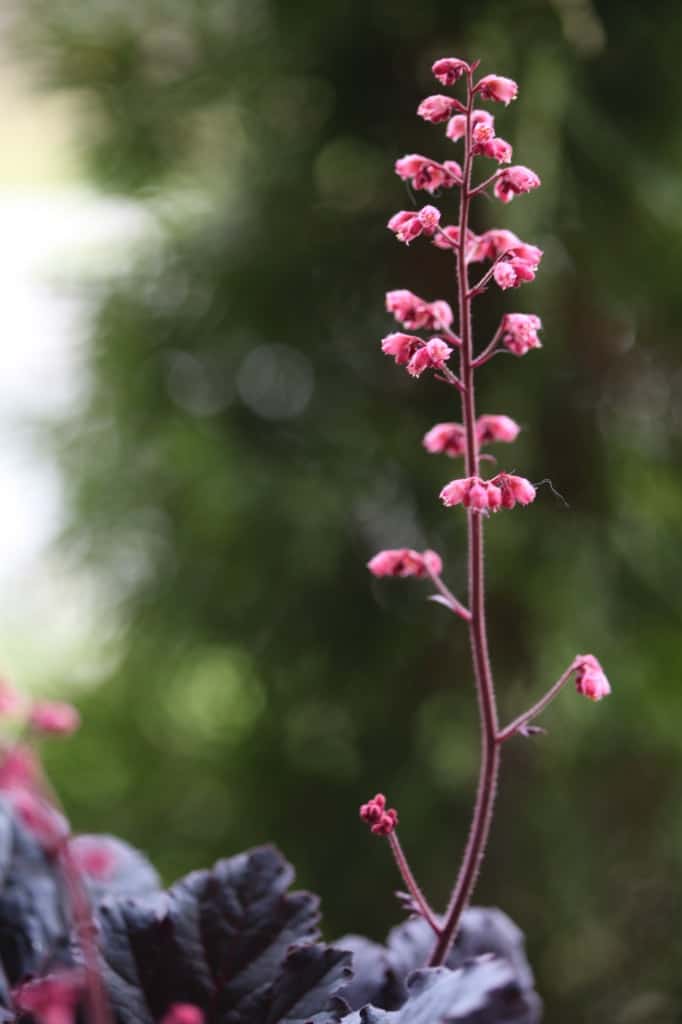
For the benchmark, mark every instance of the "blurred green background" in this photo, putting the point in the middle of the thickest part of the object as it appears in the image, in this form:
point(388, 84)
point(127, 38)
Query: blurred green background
point(242, 449)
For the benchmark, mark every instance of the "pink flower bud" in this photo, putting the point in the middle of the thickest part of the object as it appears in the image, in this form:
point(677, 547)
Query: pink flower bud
point(401, 346)
point(477, 497)
point(407, 226)
point(447, 439)
point(513, 271)
point(504, 275)
point(449, 69)
point(590, 680)
point(519, 332)
point(496, 428)
point(515, 180)
point(381, 821)
point(183, 1013)
point(494, 87)
point(403, 562)
point(54, 717)
point(432, 356)
point(481, 121)
point(52, 999)
point(437, 108)
point(494, 497)
point(429, 218)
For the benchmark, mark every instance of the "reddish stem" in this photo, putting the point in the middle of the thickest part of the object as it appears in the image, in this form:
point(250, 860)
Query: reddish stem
point(518, 724)
point(490, 751)
point(453, 604)
point(418, 898)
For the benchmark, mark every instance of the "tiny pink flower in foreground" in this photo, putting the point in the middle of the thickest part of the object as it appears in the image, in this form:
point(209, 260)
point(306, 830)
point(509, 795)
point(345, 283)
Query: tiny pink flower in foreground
point(403, 562)
point(55, 717)
point(515, 180)
point(11, 701)
point(401, 346)
point(433, 356)
point(407, 225)
point(448, 238)
point(449, 69)
point(504, 275)
point(53, 999)
point(512, 271)
point(415, 313)
point(496, 428)
point(495, 87)
point(19, 768)
point(481, 122)
point(427, 174)
point(381, 821)
point(48, 826)
point(435, 109)
point(183, 1013)
point(95, 857)
point(590, 680)
point(519, 332)
point(446, 439)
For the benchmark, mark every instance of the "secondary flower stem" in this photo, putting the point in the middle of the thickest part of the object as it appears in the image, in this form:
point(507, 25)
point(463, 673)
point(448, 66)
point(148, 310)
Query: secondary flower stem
point(418, 898)
point(519, 723)
point(490, 750)
point(456, 606)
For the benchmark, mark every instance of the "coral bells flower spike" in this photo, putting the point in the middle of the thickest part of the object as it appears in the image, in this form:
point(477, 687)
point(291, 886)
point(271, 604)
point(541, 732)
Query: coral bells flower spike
point(433, 356)
point(446, 439)
point(513, 181)
point(590, 680)
point(519, 332)
point(503, 491)
point(416, 314)
point(407, 226)
point(496, 428)
point(435, 109)
point(494, 87)
point(53, 999)
point(449, 69)
point(404, 562)
point(47, 716)
point(381, 821)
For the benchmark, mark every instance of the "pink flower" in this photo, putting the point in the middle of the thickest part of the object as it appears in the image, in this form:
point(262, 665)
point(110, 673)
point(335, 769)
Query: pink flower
point(95, 857)
point(427, 174)
point(515, 180)
point(11, 701)
point(433, 355)
point(381, 821)
point(53, 999)
point(513, 271)
point(498, 241)
point(519, 332)
point(483, 130)
point(590, 680)
point(48, 716)
point(503, 491)
point(448, 238)
point(446, 439)
point(407, 226)
point(496, 428)
point(481, 122)
point(183, 1013)
point(405, 562)
point(401, 346)
point(493, 87)
point(417, 314)
point(495, 149)
point(19, 768)
point(449, 69)
point(514, 489)
point(437, 108)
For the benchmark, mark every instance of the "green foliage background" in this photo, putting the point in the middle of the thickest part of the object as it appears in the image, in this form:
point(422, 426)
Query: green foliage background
point(245, 448)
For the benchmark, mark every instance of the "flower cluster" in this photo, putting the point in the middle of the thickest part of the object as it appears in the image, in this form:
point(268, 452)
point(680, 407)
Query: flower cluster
point(405, 562)
point(519, 332)
point(590, 680)
point(381, 821)
point(503, 491)
point(407, 226)
point(417, 355)
point(450, 438)
point(416, 314)
point(426, 174)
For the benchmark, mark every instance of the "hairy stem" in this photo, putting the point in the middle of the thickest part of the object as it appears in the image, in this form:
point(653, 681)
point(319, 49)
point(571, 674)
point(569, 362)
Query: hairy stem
point(419, 900)
point(490, 751)
point(523, 720)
